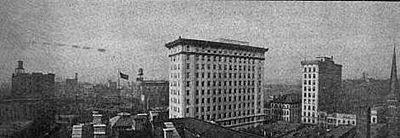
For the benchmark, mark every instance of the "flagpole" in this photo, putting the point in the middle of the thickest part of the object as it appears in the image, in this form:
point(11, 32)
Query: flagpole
point(118, 92)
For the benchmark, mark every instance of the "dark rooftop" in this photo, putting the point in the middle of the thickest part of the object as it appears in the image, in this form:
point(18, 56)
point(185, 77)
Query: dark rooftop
point(206, 43)
point(192, 127)
point(291, 98)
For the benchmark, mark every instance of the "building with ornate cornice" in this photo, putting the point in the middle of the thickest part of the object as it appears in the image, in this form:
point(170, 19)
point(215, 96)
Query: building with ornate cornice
point(219, 81)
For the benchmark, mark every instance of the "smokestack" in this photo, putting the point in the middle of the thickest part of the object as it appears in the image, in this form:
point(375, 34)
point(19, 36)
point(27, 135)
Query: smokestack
point(20, 64)
point(76, 76)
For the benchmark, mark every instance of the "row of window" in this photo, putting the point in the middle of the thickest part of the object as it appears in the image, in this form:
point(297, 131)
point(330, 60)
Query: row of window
point(223, 83)
point(312, 108)
point(175, 92)
point(223, 59)
point(224, 91)
point(310, 114)
point(331, 121)
point(175, 109)
point(309, 76)
point(223, 75)
point(305, 88)
point(224, 99)
point(284, 106)
point(175, 100)
point(222, 67)
point(209, 116)
point(310, 69)
point(219, 50)
point(175, 58)
point(223, 108)
point(307, 120)
point(309, 101)
point(309, 95)
point(309, 82)
point(340, 121)
point(175, 75)
point(175, 66)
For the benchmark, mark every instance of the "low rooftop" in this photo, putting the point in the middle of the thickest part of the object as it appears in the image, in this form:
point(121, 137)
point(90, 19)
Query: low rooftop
point(192, 127)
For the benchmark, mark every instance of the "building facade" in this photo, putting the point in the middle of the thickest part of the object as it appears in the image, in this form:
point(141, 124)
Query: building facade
point(72, 86)
point(153, 93)
point(31, 85)
point(286, 108)
point(322, 81)
point(216, 81)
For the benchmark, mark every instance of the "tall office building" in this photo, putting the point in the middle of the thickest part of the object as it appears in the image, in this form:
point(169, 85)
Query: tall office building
point(322, 81)
point(216, 81)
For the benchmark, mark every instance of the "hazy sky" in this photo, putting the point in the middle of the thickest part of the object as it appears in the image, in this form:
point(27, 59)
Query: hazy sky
point(63, 37)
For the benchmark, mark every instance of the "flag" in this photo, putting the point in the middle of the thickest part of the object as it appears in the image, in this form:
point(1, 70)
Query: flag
point(124, 76)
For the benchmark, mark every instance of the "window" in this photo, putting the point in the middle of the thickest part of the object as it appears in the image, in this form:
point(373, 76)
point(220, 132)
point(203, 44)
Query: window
point(188, 65)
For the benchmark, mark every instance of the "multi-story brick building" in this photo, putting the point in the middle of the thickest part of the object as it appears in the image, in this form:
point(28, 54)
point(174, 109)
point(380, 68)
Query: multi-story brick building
point(286, 108)
point(216, 81)
point(321, 83)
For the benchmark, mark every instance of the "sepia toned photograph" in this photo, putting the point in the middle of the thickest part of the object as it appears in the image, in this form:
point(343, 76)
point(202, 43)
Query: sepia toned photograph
point(199, 69)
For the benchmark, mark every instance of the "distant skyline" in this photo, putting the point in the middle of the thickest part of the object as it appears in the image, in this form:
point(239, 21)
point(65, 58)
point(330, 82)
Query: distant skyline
point(95, 39)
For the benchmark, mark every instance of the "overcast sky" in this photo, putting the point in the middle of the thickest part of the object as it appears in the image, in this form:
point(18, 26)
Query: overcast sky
point(95, 39)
